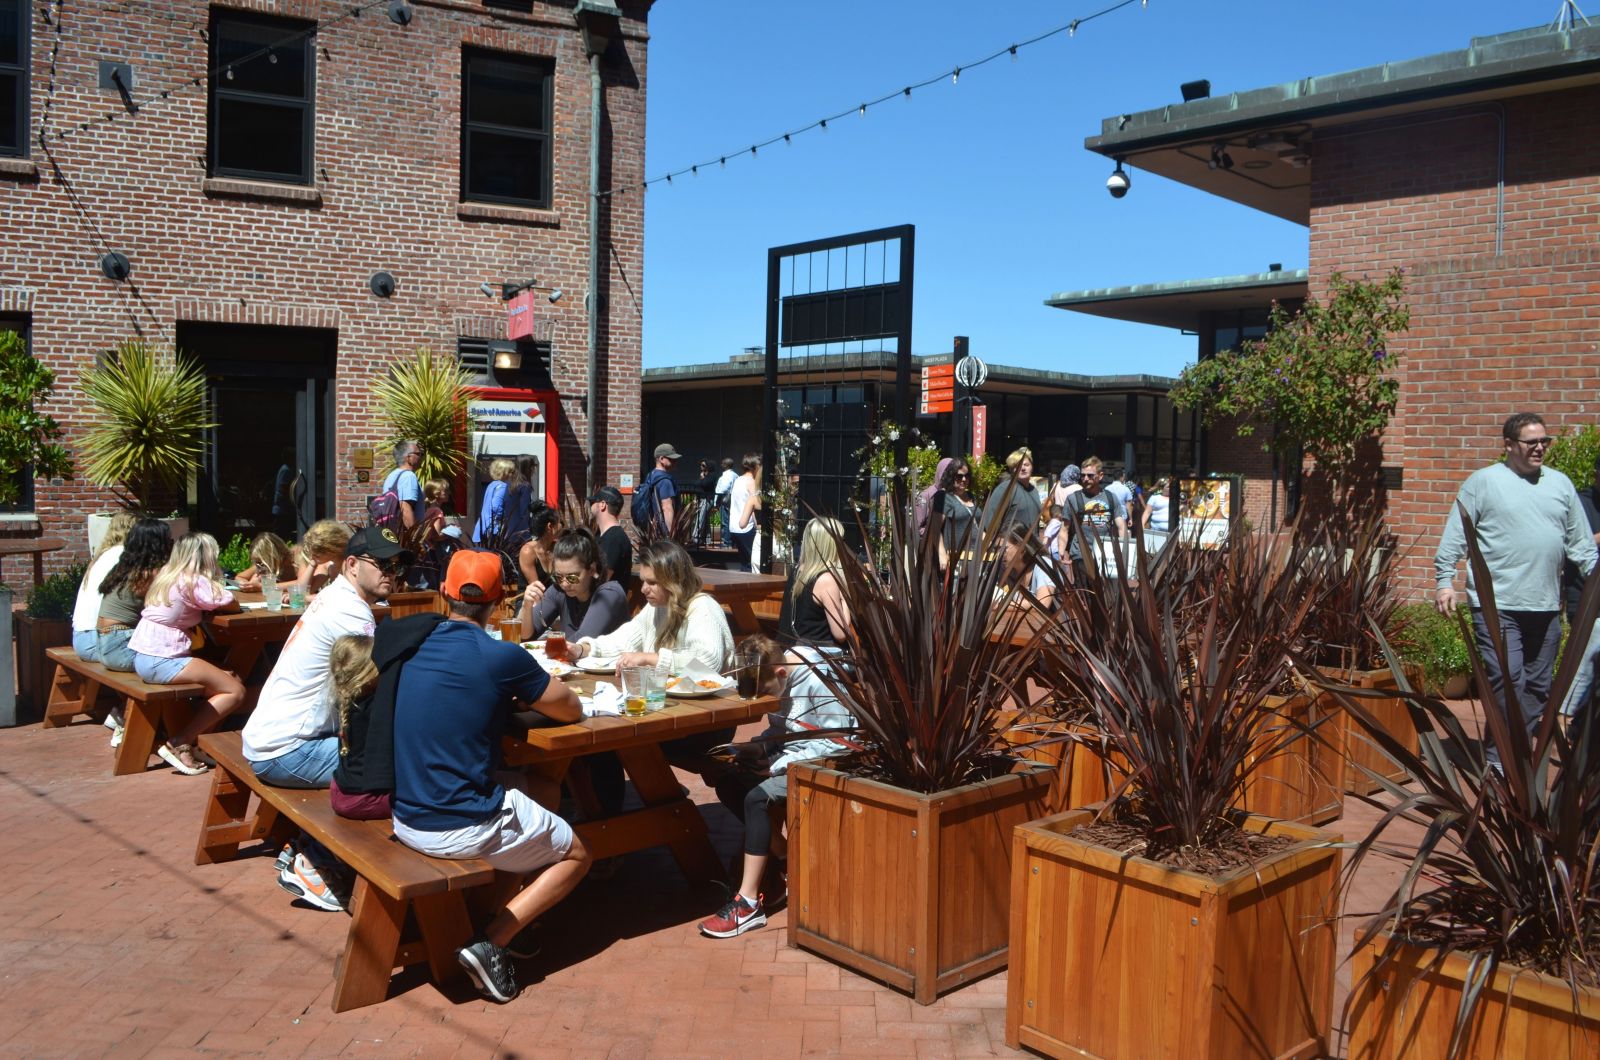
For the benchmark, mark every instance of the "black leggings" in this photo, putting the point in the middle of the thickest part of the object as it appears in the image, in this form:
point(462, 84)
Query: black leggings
point(751, 798)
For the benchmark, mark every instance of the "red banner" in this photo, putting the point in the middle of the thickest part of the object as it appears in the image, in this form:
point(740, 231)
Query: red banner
point(980, 429)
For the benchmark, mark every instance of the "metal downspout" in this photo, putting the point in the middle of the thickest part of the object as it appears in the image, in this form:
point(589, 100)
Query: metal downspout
point(591, 412)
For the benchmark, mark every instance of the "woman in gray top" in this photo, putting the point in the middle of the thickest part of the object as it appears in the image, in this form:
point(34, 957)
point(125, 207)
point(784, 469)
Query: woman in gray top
point(586, 606)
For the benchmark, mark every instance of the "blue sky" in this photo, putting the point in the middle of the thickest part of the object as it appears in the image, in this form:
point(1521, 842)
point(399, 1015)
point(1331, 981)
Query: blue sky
point(1009, 207)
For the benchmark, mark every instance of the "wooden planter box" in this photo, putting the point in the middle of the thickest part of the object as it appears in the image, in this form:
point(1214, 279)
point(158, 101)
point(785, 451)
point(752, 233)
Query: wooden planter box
point(1409, 1011)
point(1080, 777)
point(34, 671)
point(1359, 748)
point(913, 890)
point(1303, 782)
point(1115, 956)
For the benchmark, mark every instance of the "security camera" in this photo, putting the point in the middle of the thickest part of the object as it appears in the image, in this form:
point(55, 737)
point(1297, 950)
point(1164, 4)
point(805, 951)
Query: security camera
point(487, 289)
point(1118, 182)
point(555, 296)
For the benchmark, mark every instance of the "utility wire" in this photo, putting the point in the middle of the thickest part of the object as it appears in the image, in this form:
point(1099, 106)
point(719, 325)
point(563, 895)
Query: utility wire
point(954, 74)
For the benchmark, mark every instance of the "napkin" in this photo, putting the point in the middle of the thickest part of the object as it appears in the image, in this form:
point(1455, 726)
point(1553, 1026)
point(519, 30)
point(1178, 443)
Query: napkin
point(606, 701)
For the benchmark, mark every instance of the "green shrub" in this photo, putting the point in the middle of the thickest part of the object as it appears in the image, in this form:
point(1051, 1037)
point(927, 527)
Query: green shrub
point(236, 557)
point(986, 474)
point(54, 597)
point(1573, 453)
point(1423, 636)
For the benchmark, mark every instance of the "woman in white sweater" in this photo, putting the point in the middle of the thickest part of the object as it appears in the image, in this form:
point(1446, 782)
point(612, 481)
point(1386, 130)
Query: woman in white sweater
point(678, 623)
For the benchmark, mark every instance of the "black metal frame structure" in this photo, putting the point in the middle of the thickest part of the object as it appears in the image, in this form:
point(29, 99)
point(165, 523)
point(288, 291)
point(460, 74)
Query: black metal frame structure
point(541, 70)
point(15, 70)
point(222, 94)
point(837, 310)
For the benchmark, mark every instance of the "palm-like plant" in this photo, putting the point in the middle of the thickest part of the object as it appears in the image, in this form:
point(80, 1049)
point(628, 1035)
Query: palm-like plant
point(428, 397)
point(1507, 869)
point(152, 419)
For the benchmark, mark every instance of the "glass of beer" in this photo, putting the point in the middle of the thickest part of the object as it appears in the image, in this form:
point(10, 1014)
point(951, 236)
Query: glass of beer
point(635, 690)
point(555, 643)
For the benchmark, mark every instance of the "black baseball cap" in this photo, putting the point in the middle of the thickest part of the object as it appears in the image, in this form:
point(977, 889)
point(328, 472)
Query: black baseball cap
point(610, 495)
point(377, 542)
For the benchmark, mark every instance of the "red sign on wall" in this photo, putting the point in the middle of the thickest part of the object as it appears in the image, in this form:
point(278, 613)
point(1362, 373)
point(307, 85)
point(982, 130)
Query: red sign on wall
point(980, 429)
point(519, 316)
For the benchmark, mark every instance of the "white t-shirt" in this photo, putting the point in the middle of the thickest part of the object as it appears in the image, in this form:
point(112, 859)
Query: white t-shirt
point(86, 608)
point(1158, 505)
point(743, 488)
point(726, 480)
point(297, 703)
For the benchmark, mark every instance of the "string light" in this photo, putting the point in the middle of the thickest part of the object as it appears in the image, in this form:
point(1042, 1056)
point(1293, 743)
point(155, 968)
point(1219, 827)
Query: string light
point(954, 73)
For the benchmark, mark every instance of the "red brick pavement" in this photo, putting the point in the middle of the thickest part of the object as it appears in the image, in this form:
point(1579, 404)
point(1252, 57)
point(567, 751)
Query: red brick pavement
point(112, 943)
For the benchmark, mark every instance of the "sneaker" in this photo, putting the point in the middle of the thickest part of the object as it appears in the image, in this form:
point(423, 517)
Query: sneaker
point(285, 857)
point(302, 880)
point(735, 918)
point(116, 732)
point(490, 971)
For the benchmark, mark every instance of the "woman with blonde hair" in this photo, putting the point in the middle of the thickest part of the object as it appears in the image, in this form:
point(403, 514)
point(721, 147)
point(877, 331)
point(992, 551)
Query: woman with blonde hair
point(821, 614)
point(269, 554)
point(1013, 502)
point(86, 608)
point(678, 624)
point(492, 512)
point(188, 587)
point(319, 554)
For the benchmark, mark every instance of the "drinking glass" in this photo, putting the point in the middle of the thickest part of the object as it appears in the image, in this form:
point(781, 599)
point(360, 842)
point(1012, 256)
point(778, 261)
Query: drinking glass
point(655, 689)
point(269, 589)
point(635, 694)
point(747, 669)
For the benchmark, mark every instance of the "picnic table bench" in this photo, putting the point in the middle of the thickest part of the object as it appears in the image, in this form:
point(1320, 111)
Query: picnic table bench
point(397, 888)
point(78, 684)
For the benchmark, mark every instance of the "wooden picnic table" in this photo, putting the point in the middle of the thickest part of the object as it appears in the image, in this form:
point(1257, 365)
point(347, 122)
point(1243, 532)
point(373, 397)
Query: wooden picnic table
point(667, 817)
point(739, 593)
point(245, 634)
point(25, 546)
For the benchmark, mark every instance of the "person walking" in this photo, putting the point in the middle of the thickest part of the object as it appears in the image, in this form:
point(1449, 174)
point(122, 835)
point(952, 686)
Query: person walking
point(745, 501)
point(656, 505)
point(1013, 501)
point(1526, 518)
point(1095, 513)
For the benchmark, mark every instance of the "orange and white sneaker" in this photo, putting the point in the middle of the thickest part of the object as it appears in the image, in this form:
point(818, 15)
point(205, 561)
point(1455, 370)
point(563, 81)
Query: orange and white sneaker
point(302, 880)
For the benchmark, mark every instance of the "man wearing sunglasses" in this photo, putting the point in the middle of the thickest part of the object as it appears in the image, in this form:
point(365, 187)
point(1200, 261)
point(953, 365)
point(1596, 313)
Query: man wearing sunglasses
point(292, 737)
point(1527, 520)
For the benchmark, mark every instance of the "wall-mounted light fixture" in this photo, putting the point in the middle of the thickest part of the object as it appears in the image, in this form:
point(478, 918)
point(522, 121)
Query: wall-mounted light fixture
point(114, 265)
point(382, 284)
point(508, 291)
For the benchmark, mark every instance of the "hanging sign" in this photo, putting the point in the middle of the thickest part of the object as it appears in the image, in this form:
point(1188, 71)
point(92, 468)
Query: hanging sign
point(980, 429)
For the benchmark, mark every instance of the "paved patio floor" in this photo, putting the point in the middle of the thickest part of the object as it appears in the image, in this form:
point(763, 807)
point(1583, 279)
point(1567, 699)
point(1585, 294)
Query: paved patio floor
point(113, 943)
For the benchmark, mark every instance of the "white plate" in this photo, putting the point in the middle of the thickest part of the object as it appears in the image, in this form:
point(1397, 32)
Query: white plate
point(557, 669)
point(592, 664)
point(689, 688)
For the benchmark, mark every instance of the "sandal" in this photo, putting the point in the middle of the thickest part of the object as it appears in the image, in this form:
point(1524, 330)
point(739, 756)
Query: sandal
point(182, 757)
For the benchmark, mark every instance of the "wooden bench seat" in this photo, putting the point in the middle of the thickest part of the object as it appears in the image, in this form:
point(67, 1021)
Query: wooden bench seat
point(78, 685)
point(392, 879)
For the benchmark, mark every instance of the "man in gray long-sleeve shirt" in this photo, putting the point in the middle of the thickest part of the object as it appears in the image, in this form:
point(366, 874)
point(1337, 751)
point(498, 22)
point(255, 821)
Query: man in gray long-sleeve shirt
point(1528, 519)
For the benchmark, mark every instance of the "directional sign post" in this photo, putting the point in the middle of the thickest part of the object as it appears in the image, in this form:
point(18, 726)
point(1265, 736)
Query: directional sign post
point(938, 389)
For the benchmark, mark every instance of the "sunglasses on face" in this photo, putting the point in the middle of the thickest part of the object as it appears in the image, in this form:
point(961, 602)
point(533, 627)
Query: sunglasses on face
point(1536, 443)
point(385, 566)
point(568, 579)
point(962, 475)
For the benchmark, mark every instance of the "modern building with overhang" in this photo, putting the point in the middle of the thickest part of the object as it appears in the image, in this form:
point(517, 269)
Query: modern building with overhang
point(1477, 172)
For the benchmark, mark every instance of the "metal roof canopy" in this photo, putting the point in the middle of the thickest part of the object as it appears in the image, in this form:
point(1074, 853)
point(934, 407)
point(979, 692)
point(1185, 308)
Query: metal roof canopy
point(1180, 304)
point(1267, 132)
point(854, 367)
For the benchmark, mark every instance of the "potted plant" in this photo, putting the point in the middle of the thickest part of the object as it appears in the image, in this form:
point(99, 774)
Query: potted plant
point(427, 398)
point(45, 623)
point(899, 854)
point(1434, 646)
point(1487, 946)
point(1165, 922)
point(149, 434)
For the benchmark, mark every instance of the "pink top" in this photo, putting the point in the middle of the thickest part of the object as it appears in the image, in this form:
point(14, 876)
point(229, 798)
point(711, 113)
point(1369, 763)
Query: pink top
point(163, 630)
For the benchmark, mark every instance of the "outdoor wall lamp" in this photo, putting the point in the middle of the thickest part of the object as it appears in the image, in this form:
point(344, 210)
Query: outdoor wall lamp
point(507, 359)
point(508, 291)
point(1118, 182)
point(1220, 159)
point(114, 266)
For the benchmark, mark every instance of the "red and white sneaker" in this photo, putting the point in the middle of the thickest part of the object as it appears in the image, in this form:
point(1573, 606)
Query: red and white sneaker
point(735, 918)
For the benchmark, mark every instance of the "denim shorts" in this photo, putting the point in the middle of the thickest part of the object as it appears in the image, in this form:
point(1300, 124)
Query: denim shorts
point(310, 765)
point(86, 642)
point(158, 669)
point(114, 651)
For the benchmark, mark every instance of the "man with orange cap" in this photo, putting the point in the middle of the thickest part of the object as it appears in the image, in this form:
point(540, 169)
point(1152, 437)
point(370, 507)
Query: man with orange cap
point(450, 800)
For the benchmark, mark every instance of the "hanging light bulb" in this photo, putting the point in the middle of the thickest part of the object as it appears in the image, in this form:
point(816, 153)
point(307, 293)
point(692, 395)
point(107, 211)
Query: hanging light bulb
point(752, 150)
point(955, 76)
point(823, 124)
point(723, 160)
point(863, 110)
point(1072, 28)
point(272, 57)
point(786, 138)
point(1013, 51)
point(907, 91)
point(230, 73)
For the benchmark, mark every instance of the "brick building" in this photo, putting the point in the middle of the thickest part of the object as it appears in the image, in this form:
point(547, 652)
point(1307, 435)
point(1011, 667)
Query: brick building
point(1478, 172)
point(268, 160)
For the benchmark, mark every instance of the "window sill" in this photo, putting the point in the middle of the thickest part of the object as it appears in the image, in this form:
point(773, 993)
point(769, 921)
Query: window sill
point(263, 190)
point(18, 169)
point(13, 521)
point(523, 215)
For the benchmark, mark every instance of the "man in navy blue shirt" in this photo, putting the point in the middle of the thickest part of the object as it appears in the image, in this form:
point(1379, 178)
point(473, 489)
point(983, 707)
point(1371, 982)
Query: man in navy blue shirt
point(450, 800)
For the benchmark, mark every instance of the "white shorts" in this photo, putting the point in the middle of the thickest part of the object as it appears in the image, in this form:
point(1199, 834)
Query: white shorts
point(523, 838)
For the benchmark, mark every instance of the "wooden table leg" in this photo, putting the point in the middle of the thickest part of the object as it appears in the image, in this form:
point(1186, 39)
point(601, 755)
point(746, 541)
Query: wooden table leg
point(658, 788)
point(138, 737)
point(68, 693)
point(38, 568)
point(225, 821)
point(370, 949)
point(446, 927)
point(744, 618)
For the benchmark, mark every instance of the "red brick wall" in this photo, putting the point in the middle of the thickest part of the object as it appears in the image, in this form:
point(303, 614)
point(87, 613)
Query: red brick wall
point(1490, 334)
point(386, 152)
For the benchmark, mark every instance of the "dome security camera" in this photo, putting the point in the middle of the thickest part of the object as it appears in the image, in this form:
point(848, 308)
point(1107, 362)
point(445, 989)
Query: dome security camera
point(1118, 182)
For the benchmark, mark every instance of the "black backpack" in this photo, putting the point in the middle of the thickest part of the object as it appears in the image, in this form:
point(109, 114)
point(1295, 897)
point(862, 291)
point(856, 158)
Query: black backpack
point(645, 508)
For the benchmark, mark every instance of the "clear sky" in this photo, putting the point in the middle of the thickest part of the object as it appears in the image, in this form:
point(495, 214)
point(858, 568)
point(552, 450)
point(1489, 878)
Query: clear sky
point(1009, 207)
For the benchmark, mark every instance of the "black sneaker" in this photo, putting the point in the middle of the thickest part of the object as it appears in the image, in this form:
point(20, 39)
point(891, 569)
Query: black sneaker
point(489, 968)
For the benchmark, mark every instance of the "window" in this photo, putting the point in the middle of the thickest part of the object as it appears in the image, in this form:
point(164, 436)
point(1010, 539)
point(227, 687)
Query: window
point(262, 97)
point(505, 130)
point(24, 501)
point(14, 26)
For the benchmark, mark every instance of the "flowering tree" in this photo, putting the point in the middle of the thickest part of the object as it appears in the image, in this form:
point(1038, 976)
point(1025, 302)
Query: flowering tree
point(1324, 376)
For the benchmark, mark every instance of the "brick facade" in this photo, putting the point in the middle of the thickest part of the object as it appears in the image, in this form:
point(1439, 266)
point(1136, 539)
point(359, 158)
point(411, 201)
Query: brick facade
point(1491, 333)
point(385, 197)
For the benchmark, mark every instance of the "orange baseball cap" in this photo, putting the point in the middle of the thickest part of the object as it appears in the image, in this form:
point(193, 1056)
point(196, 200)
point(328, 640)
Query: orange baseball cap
point(474, 577)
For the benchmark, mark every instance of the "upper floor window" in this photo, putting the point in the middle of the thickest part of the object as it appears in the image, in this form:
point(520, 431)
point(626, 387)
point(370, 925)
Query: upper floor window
point(14, 26)
point(505, 129)
point(263, 96)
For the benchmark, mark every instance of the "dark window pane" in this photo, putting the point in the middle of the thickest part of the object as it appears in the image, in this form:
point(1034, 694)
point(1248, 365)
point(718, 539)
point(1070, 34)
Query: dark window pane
point(504, 167)
point(12, 18)
point(238, 41)
point(505, 93)
point(1147, 419)
point(10, 119)
point(261, 138)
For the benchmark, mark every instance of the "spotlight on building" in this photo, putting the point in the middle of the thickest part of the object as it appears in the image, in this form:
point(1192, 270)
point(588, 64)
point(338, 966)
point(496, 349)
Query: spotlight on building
point(487, 289)
point(1193, 90)
point(1220, 159)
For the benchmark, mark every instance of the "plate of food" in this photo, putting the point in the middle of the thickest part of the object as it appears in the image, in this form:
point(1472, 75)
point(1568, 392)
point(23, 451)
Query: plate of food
point(692, 685)
point(594, 664)
point(557, 669)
